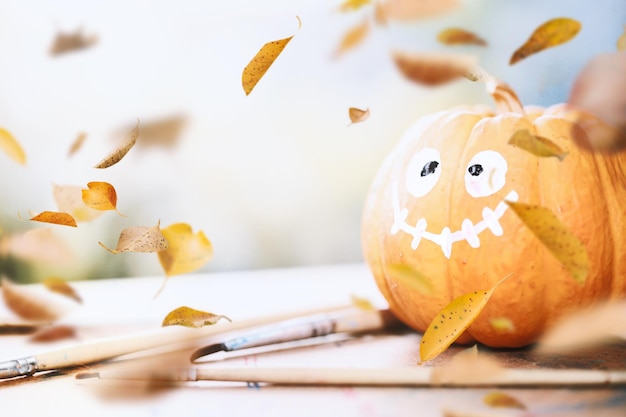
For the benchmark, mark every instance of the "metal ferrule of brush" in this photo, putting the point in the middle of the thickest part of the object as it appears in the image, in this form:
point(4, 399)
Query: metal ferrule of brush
point(18, 367)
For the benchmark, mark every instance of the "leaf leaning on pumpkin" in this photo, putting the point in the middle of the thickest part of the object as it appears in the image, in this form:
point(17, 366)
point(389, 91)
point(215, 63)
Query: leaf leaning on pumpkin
point(451, 321)
point(12, 147)
point(358, 115)
point(121, 150)
point(458, 36)
point(139, 239)
point(189, 317)
point(410, 277)
point(552, 33)
point(353, 37)
point(537, 145)
point(60, 286)
point(100, 195)
point(55, 217)
point(433, 69)
point(262, 61)
point(556, 237)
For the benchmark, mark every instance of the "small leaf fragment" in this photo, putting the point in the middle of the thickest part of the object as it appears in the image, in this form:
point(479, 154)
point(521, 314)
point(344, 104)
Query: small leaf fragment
point(362, 303)
point(352, 5)
point(55, 217)
point(537, 145)
point(71, 42)
point(453, 320)
point(139, 239)
point(100, 195)
point(28, 304)
point(262, 61)
point(503, 400)
point(60, 286)
point(502, 324)
point(552, 33)
point(53, 334)
point(458, 36)
point(187, 251)
point(556, 237)
point(121, 150)
point(621, 41)
point(404, 10)
point(408, 276)
point(189, 317)
point(164, 132)
point(77, 144)
point(12, 147)
point(433, 69)
point(357, 115)
point(69, 200)
point(353, 37)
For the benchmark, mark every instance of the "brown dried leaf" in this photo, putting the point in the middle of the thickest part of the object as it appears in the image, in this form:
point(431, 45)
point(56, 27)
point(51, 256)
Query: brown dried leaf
point(621, 41)
point(353, 37)
point(118, 153)
point(552, 33)
point(467, 366)
point(100, 196)
point(69, 200)
point(71, 42)
point(417, 9)
point(27, 304)
point(55, 217)
point(139, 239)
point(537, 145)
point(503, 400)
point(77, 144)
point(37, 245)
point(53, 334)
point(189, 317)
point(358, 115)
point(60, 286)
point(434, 69)
point(12, 147)
point(165, 132)
point(457, 36)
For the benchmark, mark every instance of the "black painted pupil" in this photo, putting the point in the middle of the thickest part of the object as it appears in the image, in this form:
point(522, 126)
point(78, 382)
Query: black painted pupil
point(429, 168)
point(475, 170)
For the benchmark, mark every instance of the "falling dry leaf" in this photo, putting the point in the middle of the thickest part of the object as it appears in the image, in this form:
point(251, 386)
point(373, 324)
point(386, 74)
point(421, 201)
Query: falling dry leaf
point(165, 132)
point(503, 400)
point(55, 217)
point(69, 200)
point(537, 145)
point(189, 317)
point(100, 196)
point(118, 153)
point(552, 33)
point(139, 239)
point(358, 115)
point(261, 62)
point(453, 320)
point(467, 366)
point(186, 252)
point(352, 5)
point(502, 324)
point(457, 36)
point(12, 147)
point(60, 286)
point(362, 303)
point(37, 245)
point(621, 41)
point(410, 277)
point(28, 304)
point(556, 237)
point(77, 144)
point(354, 37)
point(433, 69)
point(417, 9)
point(53, 334)
point(70, 42)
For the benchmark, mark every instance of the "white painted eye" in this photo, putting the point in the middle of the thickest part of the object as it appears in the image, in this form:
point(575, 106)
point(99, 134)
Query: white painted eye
point(485, 174)
point(423, 172)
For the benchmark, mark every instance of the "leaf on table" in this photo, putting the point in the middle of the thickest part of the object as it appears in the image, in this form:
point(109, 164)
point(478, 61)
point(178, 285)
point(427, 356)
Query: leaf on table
point(451, 321)
point(433, 69)
point(55, 217)
point(189, 317)
point(12, 147)
point(352, 5)
point(406, 275)
point(28, 304)
point(556, 237)
point(502, 324)
point(353, 37)
point(69, 200)
point(121, 150)
point(262, 61)
point(498, 399)
point(404, 10)
point(164, 132)
point(77, 144)
point(65, 42)
point(61, 286)
point(53, 334)
point(37, 245)
point(621, 41)
point(537, 145)
point(552, 33)
point(100, 195)
point(358, 115)
point(458, 36)
point(140, 239)
point(467, 366)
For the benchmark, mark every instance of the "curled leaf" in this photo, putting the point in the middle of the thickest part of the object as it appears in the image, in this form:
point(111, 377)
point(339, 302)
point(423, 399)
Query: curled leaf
point(453, 320)
point(189, 317)
point(403, 10)
point(71, 42)
point(100, 196)
point(358, 115)
point(53, 334)
point(458, 36)
point(537, 145)
point(262, 61)
point(55, 217)
point(60, 286)
point(77, 144)
point(28, 304)
point(410, 277)
point(433, 69)
point(186, 252)
point(12, 147)
point(552, 33)
point(556, 237)
point(69, 200)
point(354, 37)
point(121, 150)
point(503, 400)
point(139, 239)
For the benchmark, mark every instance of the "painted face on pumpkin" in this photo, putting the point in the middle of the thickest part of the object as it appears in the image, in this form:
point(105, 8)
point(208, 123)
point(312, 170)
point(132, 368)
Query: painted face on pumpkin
point(485, 174)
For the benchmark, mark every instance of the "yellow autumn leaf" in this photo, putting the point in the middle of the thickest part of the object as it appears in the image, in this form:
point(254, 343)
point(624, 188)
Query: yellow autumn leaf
point(358, 115)
point(189, 317)
point(12, 147)
point(451, 321)
point(28, 304)
point(139, 239)
point(351, 5)
point(552, 33)
point(262, 61)
point(537, 145)
point(186, 252)
point(121, 150)
point(362, 303)
point(502, 324)
point(354, 37)
point(77, 144)
point(433, 69)
point(410, 277)
point(621, 41)
point(556, 237)
point(403, 10)
point(60, 286)
point(55, 217)
point(100, 196)
point(69, 200)
point(503, 400)
point(458, 36)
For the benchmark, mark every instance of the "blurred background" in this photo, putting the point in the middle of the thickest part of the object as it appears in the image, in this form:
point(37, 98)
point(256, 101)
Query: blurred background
point(274, 179)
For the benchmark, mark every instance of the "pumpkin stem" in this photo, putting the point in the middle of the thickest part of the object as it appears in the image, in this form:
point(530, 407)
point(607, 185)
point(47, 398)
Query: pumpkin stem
point(504, 96)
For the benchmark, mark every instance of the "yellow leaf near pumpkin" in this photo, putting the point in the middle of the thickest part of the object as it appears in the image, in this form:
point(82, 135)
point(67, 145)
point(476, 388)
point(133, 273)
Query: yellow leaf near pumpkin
point(552, 33)
point(100, 196)
point(121, 150)
point(77, 144)
point(358, 115)
point(458, 36)
point(12, 147)
point(433, 69)
point(503, 400)
point(410, 277)
point(537, 145)
point(28, 304)
point(189, 317)
point(354, 37)
point(187, 251)
point(502, 324)
point(451, 321)
point(69, 200)
point(139, 239)
point(55, 217)
point(351, 5)
point(262, 61)
point(621, 41)
point(60, 286)
point(556, 237)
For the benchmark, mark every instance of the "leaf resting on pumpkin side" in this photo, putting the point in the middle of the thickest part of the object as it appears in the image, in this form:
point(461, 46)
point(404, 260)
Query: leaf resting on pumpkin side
point(122, 149)
point(556, 237)
point(453, 320)
point(552, 33)
point(537, 145)
point(458, 36)
point(139, 239)
point(189, 317)
point(55, 217)
point(12, 147)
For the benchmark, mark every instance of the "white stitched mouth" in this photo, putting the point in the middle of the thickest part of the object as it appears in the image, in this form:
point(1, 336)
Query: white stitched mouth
point(469, 231)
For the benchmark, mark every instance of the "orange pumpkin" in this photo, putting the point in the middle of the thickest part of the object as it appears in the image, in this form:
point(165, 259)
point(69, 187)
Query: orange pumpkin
point(438, 206)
